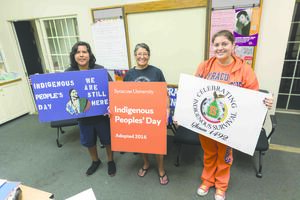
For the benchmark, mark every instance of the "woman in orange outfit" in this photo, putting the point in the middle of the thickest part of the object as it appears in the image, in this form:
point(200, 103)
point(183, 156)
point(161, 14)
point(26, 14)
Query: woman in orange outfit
point(226, 68)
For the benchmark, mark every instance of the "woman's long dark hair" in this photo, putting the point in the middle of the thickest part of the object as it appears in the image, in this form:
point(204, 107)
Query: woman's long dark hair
point(74, 64)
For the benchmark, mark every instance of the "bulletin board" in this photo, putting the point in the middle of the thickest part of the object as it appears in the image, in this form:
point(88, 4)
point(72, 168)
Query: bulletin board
point(242, 18)
point(174, 30)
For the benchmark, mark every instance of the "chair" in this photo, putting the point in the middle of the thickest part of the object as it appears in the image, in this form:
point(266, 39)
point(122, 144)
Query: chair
point(62, 123)
point(182, 136)
point(263, 144)
point(263, 141)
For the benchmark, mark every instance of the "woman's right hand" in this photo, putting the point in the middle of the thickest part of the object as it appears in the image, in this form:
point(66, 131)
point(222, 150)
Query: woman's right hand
point(175, 122)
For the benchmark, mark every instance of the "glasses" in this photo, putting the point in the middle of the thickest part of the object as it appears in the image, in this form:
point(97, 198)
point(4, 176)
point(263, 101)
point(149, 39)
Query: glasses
point(142, 54)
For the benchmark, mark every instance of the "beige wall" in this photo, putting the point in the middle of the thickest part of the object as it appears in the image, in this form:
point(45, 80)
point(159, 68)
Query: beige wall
point(274, 30)
point(177, 49)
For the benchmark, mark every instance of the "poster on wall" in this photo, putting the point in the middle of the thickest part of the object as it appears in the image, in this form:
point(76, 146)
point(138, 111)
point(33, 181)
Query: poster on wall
point(221, 20)
point(69, 95)
point(136, 124)
point(245, 52)
point(225, 113)
point(246, 27)
point(243, 23)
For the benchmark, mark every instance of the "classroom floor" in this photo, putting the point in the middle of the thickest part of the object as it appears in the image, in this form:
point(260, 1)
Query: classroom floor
point(29, 154)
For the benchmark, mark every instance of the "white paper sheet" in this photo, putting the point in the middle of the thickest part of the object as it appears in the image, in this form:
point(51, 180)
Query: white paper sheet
point(87, 194)
point(110, 43)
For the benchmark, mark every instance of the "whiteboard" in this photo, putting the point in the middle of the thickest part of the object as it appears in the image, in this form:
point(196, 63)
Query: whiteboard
point(176, 39)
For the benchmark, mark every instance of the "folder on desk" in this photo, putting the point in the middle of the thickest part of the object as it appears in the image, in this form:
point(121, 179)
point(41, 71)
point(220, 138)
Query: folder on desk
point(8, 188)
point(2, 181)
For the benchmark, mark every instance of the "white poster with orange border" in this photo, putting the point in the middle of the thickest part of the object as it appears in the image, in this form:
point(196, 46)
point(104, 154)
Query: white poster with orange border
point(138, 117)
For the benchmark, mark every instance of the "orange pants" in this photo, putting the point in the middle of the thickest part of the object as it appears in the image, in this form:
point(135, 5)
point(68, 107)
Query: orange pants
point(217, 162)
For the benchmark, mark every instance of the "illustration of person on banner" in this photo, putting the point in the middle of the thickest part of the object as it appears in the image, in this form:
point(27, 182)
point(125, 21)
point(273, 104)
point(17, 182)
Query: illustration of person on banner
point(76, 104)
point(143, 72)
point(224, 67)
point(82, 58)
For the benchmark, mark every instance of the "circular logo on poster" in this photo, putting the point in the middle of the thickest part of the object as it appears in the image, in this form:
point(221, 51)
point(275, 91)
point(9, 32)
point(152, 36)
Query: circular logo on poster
point(214, 109)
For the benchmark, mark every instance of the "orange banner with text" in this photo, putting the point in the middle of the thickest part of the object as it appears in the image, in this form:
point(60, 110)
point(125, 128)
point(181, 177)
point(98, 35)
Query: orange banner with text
point(138, 116)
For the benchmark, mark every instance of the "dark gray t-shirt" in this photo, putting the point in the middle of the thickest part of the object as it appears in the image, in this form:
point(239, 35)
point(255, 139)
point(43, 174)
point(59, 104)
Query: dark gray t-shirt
point(149, 74)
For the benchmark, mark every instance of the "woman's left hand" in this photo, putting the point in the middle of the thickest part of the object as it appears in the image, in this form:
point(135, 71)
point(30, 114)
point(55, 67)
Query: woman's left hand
point(269, 102)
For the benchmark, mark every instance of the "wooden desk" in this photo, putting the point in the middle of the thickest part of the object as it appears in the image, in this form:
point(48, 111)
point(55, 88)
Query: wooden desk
point(29, 193)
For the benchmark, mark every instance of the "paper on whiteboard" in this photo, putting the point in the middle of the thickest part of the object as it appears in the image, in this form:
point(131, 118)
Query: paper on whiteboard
point(110, 43)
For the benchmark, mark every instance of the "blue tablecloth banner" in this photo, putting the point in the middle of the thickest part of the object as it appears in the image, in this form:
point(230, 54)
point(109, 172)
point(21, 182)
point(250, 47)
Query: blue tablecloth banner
point(172, 91)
